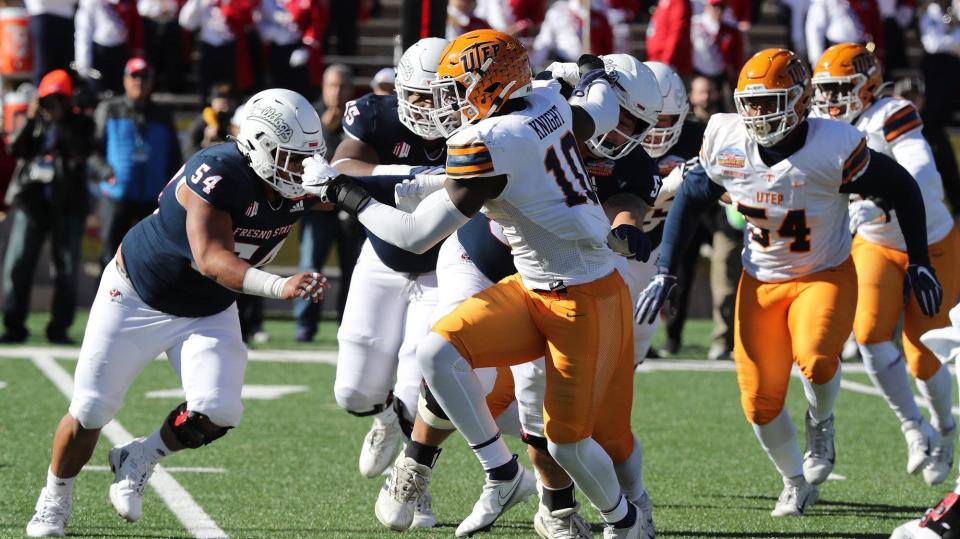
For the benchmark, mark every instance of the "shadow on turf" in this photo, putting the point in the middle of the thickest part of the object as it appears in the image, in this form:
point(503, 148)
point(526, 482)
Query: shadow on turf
point(838, 535)
point(845, 508)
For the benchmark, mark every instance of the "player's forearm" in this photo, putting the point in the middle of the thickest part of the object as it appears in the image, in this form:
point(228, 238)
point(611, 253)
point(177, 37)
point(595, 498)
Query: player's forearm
point(625, 208)
point(222, 266)
point(353, 167)
point(434, 219)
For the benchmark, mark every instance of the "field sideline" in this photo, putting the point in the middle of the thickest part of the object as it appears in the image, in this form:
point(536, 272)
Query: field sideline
point(290, 469)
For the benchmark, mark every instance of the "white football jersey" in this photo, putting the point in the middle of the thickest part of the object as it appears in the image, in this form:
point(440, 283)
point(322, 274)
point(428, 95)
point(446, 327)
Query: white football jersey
point(556, 229)
point(892, 127)
point(796, 215)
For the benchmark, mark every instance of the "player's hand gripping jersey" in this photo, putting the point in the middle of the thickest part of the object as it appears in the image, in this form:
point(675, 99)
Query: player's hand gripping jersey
point(796, 216)
point(549, 212)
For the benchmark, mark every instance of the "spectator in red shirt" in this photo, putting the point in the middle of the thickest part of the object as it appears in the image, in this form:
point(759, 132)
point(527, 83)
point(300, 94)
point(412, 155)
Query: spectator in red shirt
point(717, 44)
point(668, 35)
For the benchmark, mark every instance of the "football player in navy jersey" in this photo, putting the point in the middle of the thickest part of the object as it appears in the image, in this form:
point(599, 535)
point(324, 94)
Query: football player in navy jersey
point(393, 292)
point(172, 288)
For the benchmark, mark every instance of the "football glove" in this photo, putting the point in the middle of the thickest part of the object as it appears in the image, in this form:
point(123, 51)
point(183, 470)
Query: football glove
point(567, 72)
point(629, 241)
point(653, 297)
point(591, 70)
point(408, 193)
point(926, 288)
point(317, 174)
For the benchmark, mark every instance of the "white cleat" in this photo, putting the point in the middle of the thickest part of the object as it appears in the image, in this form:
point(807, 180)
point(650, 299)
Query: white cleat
point(637, 531)
point(561, 524)
point(797, 496)
point(941, 458)
point(380, 444)
point(50, 516)
point(912, 530)
point(423, 516)
point(920, 436)
point(131, 472)
point(397, 502)
point(820, 455)
point(495, 499)
point(645, 505)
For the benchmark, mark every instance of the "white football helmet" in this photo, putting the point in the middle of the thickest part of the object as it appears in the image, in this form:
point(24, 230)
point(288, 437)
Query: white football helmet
point(675, 107)
point(639, 95)
point(415, 71)
point(278, 130)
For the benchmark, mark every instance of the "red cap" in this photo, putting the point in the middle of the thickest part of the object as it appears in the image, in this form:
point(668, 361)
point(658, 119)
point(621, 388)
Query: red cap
point(56, 82)
point(137, 65)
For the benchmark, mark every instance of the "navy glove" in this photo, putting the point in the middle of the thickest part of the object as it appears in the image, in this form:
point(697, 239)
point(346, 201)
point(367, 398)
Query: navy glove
point(926, 288)
point(653, 297)
point(629, 241)
point(591, 70)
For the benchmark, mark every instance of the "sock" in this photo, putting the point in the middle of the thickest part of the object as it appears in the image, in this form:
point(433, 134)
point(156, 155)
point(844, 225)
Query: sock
point(621, 515)
point(425, 455)
point(59, 486)
point(630, 473)
point(592, 470)
point(822, 397)
point(387, 417)
point(459, 393)
point(561, 498)
point(779, 439)
point(504, 472)
point(153, 447)
point(938, 390)
point(885, 367)
point(796, 480)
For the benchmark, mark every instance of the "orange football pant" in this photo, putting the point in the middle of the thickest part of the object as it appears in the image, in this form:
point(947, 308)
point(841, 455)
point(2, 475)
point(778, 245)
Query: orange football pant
point(586, 335)
point(880, 274)
point(804, 321)
point(503, 394)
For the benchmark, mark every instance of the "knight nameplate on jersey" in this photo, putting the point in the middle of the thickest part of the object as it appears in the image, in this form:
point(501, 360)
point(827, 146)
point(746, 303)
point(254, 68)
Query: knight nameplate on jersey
point(546, 123)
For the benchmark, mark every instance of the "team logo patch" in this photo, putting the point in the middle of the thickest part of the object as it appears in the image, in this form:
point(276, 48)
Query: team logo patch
point(401, 149)
point(273, 118)
point(252, 209)
point(731, 158)
point(600, 167)
point(473, 57)
point(668, 163)
point(116, 296)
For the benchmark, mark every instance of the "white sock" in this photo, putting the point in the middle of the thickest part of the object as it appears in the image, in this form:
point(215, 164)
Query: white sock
point(387, 417)
point(938, 390)
point(459, 392)
point(779, 439)
point(592, 470)
point(630, 473)
point(886, 368)
point(153, 447)
point(59, 486)
point(822, 397)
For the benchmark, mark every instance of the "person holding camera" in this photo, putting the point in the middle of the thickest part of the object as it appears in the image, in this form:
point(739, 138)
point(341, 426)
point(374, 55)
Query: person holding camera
point(49, 198)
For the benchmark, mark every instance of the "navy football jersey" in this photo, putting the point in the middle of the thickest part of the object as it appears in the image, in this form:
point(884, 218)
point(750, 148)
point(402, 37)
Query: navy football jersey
point(635, 173)
point(373, 119)
point(686, 148)
point(485, 244)
point(156, 251)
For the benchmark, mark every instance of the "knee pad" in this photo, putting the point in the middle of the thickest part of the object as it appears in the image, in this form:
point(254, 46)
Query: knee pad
point(879, 356)
point(193, 429)
point(822, 369)
point(760, 410)
point(430, 411)
point(92, 413)
point(370, 410)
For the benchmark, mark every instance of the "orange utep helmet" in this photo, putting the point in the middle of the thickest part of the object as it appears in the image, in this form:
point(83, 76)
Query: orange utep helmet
point(478, 72)
point(775, 73)
point(845, 81)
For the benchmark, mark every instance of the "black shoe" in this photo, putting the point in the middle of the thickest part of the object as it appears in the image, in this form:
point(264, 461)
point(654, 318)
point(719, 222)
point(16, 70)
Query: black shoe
point(303, 335)
point(59, 337)
point(652, 354)
point(14, 337)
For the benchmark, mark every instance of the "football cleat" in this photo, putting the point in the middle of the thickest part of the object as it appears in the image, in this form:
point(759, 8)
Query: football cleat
point(645, 505)
point(912, 530)
point(797, 496)
point(380, 444)
point(941, 458)
point(637, 531)
point(941, 521)
point(397, 502)
point(423, 516)
point(561, 524)
point(920, 436)
point(495, 499)
point(50, 516)
point(820, 455)
point(131, 471)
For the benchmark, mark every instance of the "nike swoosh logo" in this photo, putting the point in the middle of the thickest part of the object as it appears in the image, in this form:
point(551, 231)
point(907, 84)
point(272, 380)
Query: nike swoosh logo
point(504, 499)
point(573, 315)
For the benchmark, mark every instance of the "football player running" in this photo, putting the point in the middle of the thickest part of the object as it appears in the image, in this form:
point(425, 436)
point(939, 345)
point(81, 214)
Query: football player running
point(172, 288)
point(568, 301)
point(790, 177)
point(478, 255)
point(846, 81)
point(394, 292)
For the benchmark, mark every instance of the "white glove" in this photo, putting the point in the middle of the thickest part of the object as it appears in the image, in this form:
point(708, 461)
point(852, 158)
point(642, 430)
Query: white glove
point(299, 57)
point(409, 193)
point(317, 173)
point(863, 212)
point(568, 72)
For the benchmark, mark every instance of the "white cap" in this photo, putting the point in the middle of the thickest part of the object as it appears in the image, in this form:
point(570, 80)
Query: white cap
point(386, 75)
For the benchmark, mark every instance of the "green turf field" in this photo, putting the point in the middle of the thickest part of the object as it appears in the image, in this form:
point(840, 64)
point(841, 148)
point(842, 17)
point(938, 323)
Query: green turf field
point(290, 470)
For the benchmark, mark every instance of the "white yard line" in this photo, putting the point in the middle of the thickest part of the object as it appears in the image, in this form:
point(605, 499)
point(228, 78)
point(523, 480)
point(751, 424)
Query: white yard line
point(194, 519)
point(170, 469)
point(269, 356)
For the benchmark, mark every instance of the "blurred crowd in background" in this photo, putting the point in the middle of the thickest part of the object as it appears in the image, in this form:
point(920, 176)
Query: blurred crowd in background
point(103, 100)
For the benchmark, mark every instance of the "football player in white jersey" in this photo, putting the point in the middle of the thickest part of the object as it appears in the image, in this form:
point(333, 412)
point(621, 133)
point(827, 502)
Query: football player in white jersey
point(846, 81)
point(567, 301)
point(790, 177)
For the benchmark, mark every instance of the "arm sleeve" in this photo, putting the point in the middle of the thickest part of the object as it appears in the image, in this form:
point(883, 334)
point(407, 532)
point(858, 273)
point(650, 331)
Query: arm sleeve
point(886, 179)
point(434, 219)
point(601, 105)
point(380, 187)
point(697, 193)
